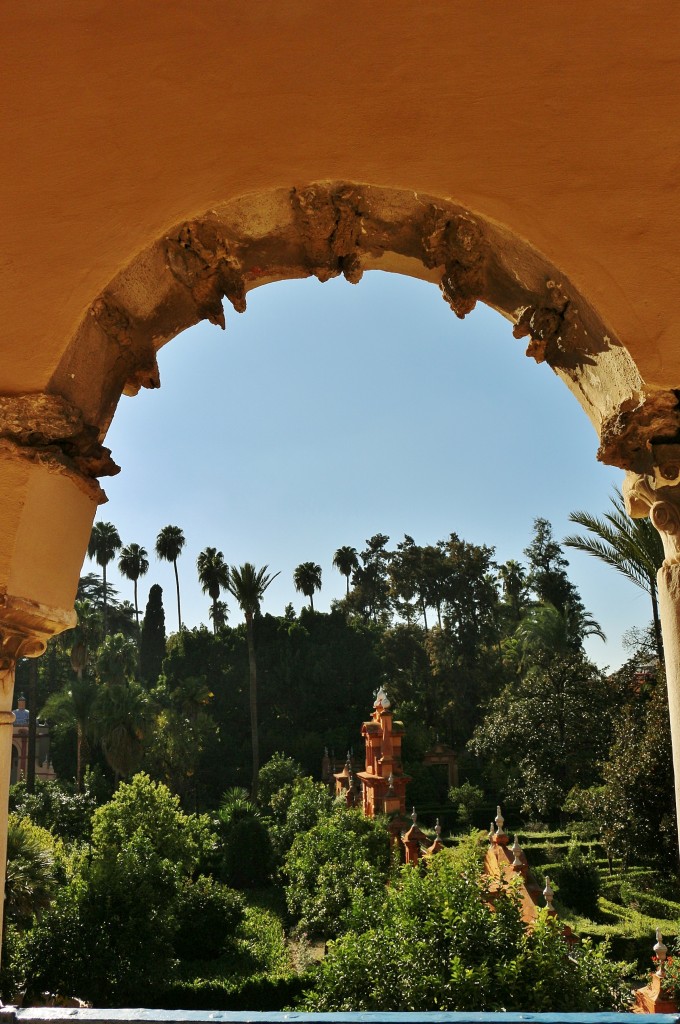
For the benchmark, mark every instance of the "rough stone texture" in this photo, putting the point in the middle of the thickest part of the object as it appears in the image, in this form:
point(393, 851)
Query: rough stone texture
point(50, 427)
point(326, 229)
point(643, 434)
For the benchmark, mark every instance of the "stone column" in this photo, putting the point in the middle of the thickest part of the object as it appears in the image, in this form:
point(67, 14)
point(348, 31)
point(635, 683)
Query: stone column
point(658, 496)
point(46, 510)
point(25, 627)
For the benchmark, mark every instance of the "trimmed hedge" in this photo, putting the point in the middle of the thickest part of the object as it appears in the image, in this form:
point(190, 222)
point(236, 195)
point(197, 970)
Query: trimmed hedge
point(259, 992)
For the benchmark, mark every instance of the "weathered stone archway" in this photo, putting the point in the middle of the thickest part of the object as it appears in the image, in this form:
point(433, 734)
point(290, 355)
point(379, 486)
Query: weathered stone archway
point(52, 443)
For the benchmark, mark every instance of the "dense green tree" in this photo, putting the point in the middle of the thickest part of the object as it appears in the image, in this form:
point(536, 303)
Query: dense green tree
point(103, 544)
point(346, 561)
point(74, 708)
point(122, 721)
point(514, 582)
point(637, 806)
point(110, 933)
point(343, 857)
point(169, 544)
point(133, 562)
point(631, 546)
point(547, 731)
point(241, 829)
point(436, 940)
point(248, 585)
point(30, 880)
point(152, 643)
point(307, 579)
point(213, 575)
point(371, 588)
point(548, 569)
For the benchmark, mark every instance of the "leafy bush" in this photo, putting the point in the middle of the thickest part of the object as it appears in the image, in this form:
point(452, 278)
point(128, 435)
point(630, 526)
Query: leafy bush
point(256, 993)
point(208, 916)
point(56, 807)
point(468, 799)
point(578, 881)
point(279, 772)
point(343, 857)
point(246, 849)
point(108, 936)
point(436, 943)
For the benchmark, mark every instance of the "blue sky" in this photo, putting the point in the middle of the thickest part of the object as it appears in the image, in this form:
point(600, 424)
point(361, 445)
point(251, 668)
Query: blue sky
point(327, 413)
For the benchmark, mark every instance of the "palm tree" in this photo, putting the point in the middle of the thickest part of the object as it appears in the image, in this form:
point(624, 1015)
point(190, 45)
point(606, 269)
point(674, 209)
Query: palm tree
point(219, 615)
point(248, 584)
point(213, 575)
point(74, 707)
point(103, 544)
point(547, 631)
point(307, 579)
point(133, 563)
point(169, 544)
point(30, 881)
point(122, 718)
point(346, 561)
point(631, 546)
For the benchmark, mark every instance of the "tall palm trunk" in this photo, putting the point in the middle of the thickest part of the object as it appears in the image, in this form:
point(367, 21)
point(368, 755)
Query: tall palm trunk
point(254, 736)
point(105, 604)
point(136, 605)
point(179, 610)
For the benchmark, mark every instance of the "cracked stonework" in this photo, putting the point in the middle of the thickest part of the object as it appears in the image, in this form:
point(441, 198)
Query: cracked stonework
point(325, 229)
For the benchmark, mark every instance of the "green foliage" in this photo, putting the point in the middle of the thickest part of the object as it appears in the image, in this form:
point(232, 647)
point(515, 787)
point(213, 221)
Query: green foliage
point(435, 943)
point(109, 934)
point(147, 812)
point(152, 641)
point(208, 916)
point(297, 809)
point(342, 858)
point(578, 881)
point(246, 849)
point(30, 880)
point(279, 772)
point(546, 732)
point(468, 799)
point(54, 806)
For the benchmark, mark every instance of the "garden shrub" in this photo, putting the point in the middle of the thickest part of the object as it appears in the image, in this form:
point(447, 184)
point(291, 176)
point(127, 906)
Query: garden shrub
point(436, 943)
point(208, 917)
point(343, 857)
point(578, 881)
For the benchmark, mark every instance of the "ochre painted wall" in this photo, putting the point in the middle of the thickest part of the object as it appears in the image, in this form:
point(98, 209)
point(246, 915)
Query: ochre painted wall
point(121, 119)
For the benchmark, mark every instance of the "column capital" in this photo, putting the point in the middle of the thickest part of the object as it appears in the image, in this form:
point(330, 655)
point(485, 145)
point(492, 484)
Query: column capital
point(657, 495)
point(25, 628)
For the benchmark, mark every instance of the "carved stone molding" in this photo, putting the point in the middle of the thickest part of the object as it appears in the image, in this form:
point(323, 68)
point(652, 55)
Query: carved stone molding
point(45, 428)
point(654, 496)
point(25, 628)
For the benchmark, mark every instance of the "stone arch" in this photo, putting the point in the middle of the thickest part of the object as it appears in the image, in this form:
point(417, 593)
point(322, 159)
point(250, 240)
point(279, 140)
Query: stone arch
point(326, 229)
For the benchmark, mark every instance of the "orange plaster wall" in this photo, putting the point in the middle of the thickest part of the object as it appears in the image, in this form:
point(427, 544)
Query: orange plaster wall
point(51, 538)
point(561, 121)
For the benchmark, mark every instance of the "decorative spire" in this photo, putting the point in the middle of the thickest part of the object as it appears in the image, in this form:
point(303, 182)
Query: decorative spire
point(660, 952)
point(381, 699)
point(438, 830)
point(549, 894)
point(516, 851)
point(492, 832)
point(414, 816)
point(500, 821)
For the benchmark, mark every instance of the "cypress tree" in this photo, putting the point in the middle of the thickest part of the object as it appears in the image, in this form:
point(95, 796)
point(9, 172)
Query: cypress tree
point(152, 644)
